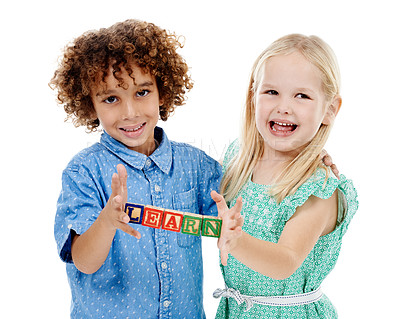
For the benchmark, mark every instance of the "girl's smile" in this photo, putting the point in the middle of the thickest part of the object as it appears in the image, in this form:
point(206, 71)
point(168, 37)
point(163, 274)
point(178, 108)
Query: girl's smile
point(282, 127)
point(290, 104)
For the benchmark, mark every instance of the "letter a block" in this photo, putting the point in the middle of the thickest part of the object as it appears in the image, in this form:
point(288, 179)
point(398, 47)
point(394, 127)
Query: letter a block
point(152, 217)
point(192, 224)
point(211, 226)
point(135, 212)
point(172, 220)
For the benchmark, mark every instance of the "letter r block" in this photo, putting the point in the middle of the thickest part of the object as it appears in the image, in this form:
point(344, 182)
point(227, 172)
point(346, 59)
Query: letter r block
point(192, 224)
point(152, 217)
point(135, 212)
point(211, 226)
point(172, 220)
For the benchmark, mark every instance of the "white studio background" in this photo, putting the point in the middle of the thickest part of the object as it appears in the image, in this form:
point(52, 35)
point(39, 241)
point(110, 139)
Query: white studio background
point(223, 38)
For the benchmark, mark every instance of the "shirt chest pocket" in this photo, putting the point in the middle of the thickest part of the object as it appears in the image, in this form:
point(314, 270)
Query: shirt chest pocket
point(186, 202)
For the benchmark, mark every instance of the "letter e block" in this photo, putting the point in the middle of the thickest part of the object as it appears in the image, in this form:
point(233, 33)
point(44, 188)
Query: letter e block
point(172, 220)
point(152, 217)
point(192, 224)
point(135, 212)
point(211, 226)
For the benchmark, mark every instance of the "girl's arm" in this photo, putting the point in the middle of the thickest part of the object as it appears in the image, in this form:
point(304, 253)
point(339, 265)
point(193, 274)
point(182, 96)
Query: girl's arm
point(90, 250)
point(312, 220)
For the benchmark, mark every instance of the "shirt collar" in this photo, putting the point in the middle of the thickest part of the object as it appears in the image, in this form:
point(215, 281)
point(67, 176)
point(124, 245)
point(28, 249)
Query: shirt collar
point(162, 156)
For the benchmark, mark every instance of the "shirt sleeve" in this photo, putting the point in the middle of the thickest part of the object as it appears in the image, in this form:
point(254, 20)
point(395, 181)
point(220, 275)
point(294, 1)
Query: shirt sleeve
point(230, 153)
point(78, 206)
point(210, 180)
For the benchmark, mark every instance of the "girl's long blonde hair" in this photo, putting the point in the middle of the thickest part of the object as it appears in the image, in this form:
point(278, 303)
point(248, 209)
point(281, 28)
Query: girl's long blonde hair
point(251, 142)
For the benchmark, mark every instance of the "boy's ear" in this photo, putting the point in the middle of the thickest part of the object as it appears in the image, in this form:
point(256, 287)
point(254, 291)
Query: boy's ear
point(93, 114)
point(332, 110)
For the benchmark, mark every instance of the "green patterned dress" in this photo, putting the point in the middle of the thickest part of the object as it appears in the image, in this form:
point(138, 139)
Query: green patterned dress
point(265, 219)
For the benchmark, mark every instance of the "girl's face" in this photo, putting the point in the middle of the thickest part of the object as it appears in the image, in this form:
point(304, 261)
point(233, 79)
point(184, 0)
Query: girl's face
point(129, 114)
point(290, 104)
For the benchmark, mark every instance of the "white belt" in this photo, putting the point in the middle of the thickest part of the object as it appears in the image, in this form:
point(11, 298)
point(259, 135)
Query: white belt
point(290, 300)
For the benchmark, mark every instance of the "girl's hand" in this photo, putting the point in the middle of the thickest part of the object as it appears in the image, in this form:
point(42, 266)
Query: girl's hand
point(232, 222)
point(113, 214)
point(327, 159)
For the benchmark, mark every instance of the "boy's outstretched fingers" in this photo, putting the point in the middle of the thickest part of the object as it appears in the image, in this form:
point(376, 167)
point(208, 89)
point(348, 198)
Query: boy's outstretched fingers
point(123, 177)
point(123, 218)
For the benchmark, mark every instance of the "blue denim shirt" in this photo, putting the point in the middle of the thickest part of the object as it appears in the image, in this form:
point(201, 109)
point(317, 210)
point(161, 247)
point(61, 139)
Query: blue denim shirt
point(160, 275)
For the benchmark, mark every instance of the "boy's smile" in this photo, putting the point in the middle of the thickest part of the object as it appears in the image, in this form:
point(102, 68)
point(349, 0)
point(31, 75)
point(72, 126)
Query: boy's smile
point(129, 112)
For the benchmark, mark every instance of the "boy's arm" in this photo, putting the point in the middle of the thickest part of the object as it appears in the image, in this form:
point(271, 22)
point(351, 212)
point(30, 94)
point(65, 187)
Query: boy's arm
point(90, 250)
point(327, 159)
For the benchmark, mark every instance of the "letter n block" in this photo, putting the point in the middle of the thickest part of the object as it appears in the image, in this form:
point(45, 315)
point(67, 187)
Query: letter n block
point(135, 212)
point(192, 224)
point(172, 220)
point(211, 226)
point(152, 217)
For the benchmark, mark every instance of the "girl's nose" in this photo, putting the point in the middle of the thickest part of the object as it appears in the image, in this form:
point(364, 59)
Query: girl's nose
point(284, 106)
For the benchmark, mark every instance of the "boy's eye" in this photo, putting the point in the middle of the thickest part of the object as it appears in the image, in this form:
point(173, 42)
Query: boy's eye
point(302, 96)
point(111, 99)
point(142, 93)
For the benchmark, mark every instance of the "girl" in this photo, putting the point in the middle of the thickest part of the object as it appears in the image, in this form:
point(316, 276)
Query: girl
point(295, 210)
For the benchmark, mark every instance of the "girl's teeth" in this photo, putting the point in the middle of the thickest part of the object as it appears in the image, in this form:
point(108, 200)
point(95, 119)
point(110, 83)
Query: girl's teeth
point(283, 127)
point(284, 124)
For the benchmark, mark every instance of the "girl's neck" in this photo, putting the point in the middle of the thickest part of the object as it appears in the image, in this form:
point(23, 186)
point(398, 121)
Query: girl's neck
point(271, 165)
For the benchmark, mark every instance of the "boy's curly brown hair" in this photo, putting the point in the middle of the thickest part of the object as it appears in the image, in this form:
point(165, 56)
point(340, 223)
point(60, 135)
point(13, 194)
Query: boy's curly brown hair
point(87, 60)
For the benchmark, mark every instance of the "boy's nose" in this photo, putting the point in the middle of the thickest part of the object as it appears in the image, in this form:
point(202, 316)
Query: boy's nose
point(130, 110)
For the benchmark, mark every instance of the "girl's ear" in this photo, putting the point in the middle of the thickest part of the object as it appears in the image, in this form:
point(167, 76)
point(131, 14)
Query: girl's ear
point(332, 110)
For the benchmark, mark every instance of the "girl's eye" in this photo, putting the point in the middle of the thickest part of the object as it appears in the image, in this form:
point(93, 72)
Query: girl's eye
point(142, 93)
point(110, 100)
point(302, 96)
point(271, 92)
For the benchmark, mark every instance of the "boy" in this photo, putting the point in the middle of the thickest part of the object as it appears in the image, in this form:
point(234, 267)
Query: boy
point(126, 77)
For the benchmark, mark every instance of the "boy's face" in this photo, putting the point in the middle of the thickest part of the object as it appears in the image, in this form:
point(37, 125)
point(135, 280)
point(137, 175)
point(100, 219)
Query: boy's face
point(129, 114)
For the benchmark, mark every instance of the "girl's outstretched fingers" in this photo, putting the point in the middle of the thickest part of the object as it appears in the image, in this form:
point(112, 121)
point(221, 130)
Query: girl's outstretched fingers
point(220, 201)
point(232, 222)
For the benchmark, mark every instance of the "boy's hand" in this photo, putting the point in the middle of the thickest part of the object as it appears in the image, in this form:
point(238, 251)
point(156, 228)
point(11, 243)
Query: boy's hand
point(327, 159)
point(232, 222)
point(113, 214)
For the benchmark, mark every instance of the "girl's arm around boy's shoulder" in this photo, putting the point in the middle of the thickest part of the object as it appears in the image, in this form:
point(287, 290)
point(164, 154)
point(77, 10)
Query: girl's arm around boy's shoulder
point(315, 218)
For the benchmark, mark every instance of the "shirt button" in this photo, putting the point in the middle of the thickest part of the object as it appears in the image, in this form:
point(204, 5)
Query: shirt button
point(157, 188)
point(148, 162)
point(164, 265)
point(166, 303)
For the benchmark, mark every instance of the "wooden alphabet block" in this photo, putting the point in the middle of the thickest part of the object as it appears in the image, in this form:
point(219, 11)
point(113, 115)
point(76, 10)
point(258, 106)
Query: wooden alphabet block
point(172, 220)
point(192, 224)
point(211, 226)
point(152, 217)
point(135, 212)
